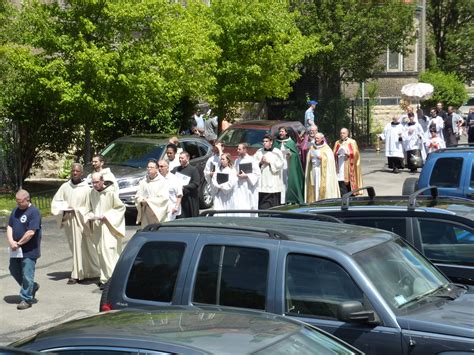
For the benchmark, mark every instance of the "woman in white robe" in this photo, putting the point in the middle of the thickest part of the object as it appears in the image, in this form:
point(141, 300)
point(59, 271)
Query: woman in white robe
point(224, 181)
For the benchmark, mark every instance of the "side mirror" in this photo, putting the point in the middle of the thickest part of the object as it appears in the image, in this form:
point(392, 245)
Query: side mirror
point(354, 312)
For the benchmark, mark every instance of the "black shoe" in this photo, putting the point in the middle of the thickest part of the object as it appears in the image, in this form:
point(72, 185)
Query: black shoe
point(23, 305)
point(100, 285)
point(72, 281)
point(36, 287)
point(396, 171)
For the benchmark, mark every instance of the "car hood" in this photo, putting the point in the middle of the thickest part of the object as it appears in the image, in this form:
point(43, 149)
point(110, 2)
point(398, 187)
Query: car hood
point(443, 316)
point(126, 172)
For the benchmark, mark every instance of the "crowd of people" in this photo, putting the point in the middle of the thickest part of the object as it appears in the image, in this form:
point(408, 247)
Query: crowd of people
point(284, 171)
point(410, 137)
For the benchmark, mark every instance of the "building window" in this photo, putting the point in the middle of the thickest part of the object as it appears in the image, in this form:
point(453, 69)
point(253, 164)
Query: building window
point(394, 61)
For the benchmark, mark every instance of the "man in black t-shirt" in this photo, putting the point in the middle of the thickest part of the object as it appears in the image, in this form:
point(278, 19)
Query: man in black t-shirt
point(24, 239)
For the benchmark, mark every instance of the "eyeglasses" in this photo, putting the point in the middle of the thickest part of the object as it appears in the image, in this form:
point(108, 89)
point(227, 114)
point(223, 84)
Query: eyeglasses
point(162, 166)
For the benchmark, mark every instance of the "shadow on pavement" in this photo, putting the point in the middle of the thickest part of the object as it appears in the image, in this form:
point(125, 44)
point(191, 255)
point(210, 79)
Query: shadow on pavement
point(58, 276)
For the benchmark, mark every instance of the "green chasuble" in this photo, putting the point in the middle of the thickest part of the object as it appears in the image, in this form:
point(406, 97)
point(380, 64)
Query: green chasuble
point(295, 174)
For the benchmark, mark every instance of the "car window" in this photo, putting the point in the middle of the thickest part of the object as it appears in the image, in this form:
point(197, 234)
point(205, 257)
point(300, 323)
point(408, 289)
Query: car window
point(203, 150)
point(232, 276)
point(134, 154)
point(315, 286)
point(192, 149)
point(447, 242)
point(446, 172)
point(395, 225)
point(471, 185)
point(234, 136)
point(154, 271)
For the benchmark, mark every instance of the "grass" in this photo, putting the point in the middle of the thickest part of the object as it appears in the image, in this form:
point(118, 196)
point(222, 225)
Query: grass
point(41, 194)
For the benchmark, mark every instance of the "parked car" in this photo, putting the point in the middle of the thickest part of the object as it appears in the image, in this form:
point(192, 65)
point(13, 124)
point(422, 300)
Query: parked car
point(451, 170)
point(364, 285)
point(464, 109)
point(172, 330)
point(252, 132)
point(442, 228)
point(127, 157)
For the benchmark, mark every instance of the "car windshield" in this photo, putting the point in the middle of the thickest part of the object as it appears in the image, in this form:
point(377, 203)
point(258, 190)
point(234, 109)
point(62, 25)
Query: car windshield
point(233, 136)
point(135, 154)
point(400, 273)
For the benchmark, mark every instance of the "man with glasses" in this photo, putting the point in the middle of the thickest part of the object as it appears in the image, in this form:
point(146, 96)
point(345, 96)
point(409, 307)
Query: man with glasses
point(24, 239)
point(69, 202)
point(152, 197)
point(271, 163)
point(175, 190)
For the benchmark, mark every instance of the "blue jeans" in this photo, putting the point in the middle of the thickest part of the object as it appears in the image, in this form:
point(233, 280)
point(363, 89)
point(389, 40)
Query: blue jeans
point(23, 271)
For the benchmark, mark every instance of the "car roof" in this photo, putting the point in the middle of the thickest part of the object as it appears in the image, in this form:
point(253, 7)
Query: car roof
point(441, 205)
point(264, 124)
point(461, 148)
point(158, 138)
point(344, 237)
point(209, 328)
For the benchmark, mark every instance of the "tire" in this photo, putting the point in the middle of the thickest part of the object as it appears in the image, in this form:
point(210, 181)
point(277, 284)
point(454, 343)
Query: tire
point(409, 186)
point(103, 297)
point(205, 196)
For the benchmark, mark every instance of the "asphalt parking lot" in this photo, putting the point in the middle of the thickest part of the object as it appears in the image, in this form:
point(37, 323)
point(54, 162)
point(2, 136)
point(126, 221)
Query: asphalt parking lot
point(58, 302)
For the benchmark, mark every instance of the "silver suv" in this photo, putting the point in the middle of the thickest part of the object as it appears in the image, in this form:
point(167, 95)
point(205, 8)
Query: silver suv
point(127, 157)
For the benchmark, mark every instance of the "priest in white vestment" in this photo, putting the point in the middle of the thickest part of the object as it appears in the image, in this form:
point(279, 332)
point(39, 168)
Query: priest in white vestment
point(223, 183)
point(175, 190)
point(321, 177)
point(98, 163)
point(152, 197)
point(394, 151)
point(212, 165)
point(107, 213)
point(246, 189)
point(271, 163)
point(69, 202)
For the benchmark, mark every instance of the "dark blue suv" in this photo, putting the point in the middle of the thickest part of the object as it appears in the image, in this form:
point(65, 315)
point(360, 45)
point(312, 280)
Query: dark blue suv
point(363, 285)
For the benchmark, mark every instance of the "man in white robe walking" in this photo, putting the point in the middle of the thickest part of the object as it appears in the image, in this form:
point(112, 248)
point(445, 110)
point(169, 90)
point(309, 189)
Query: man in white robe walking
point(69, 202)
point(392, 136)
point(98, 163)
point(175, 190)
point(152, 197)
point(271, 162)
point(107, 214)
point(246, 190)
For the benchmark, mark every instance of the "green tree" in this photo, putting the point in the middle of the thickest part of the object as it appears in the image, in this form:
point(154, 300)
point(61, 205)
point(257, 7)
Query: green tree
point(114, 68)
point(452, 36)
point(261, 49)
point(448, 89)
point(356, 34)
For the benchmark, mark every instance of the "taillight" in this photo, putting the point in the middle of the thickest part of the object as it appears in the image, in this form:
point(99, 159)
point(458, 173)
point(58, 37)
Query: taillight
point(106, 307)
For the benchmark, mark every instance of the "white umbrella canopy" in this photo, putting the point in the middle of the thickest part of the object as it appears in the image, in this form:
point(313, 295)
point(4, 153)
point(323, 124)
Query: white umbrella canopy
point(417, 91)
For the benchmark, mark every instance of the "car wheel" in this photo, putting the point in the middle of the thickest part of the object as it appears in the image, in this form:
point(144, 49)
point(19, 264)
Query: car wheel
point(205, 196)
point(409, 186)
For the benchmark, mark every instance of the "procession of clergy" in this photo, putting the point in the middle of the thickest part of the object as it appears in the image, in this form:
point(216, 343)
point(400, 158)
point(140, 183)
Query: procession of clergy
point(412, 136)
point(282, 171)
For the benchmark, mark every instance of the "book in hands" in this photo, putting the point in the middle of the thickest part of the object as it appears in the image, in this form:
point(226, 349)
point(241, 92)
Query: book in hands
point(245, 168)
point(222, 178)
